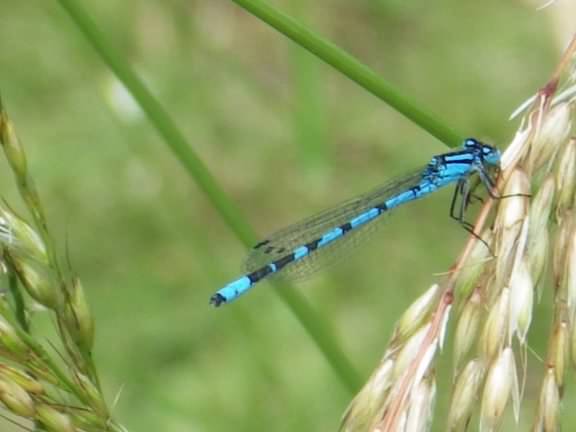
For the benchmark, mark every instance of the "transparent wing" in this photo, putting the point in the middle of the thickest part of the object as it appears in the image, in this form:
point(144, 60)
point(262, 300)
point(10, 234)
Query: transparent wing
point(332, 253)
point(283, 242)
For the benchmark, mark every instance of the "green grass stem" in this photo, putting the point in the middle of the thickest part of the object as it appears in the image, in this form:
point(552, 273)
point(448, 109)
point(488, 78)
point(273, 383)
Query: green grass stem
point(314, 324)
point(351, 68)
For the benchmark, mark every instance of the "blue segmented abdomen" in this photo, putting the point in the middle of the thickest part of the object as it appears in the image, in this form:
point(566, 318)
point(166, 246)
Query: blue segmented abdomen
point(238, 287)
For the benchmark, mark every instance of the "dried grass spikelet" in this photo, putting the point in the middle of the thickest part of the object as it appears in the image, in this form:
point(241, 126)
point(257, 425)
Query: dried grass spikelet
point(465, 395)
point(501, 385)
point(552, 388)
point(495, 333)
point(537, 249)
point(547, 417)
point(418, 417)
point(522, 295)
point(366, 411)
point(471, 316)
point(368, 405)
point(554, 128)
point(565, 178)
point(480, 256)
point(511, 226)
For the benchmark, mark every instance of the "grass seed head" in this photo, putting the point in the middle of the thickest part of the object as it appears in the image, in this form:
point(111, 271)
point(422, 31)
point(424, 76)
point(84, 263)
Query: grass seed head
point(512, 215)
point(549, 405)
point(554, 130)
point(568, 276)
point(541, 207)
point(92, 393)
point(9, 339)
point(417, 313)
point(24, 380)
point(537, 249)
point(572, 331)
point(475, 264)
point(521, 300)
point(368, 405)
point(566, 177)
point(495, 331)
point(514, 207)
point(497, 390)
point(53, 420)
point(39, 280)
point(16, 399)
point(537, 256)
point(409, 351)
point(419, 415)
point(560, 247)
point(19, 238)
point(558, 351)
point(465, 395)
point(467, 328)
point(78, 318)
point(89, 421)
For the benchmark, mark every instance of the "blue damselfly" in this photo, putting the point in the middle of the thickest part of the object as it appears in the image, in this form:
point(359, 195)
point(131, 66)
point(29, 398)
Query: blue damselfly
point(295, 249)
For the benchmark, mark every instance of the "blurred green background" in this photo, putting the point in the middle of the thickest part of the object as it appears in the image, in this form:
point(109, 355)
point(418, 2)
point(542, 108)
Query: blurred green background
point(285, 136)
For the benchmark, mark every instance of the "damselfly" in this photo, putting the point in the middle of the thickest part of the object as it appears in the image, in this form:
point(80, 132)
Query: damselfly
point(295, 249)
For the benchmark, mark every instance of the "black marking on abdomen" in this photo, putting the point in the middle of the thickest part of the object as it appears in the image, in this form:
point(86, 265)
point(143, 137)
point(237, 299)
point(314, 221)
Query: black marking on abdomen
point(345, 227)
point(259, 274)
point(282, 262)
point(382, 207)
point(313, 245)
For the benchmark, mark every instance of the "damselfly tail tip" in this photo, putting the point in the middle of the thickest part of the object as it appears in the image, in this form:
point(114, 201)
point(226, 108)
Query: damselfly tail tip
point(217, 300)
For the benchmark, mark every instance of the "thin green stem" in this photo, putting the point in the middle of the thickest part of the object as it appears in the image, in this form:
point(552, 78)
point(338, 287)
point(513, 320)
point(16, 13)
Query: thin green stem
point(352, 68)
point(173, 137)
point(161, 120)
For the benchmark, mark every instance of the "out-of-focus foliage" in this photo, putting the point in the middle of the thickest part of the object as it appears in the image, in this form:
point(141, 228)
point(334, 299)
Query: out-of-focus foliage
point(286, 136)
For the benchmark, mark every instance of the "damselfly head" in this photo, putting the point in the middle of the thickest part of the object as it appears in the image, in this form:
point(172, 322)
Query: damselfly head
point(490, 155)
